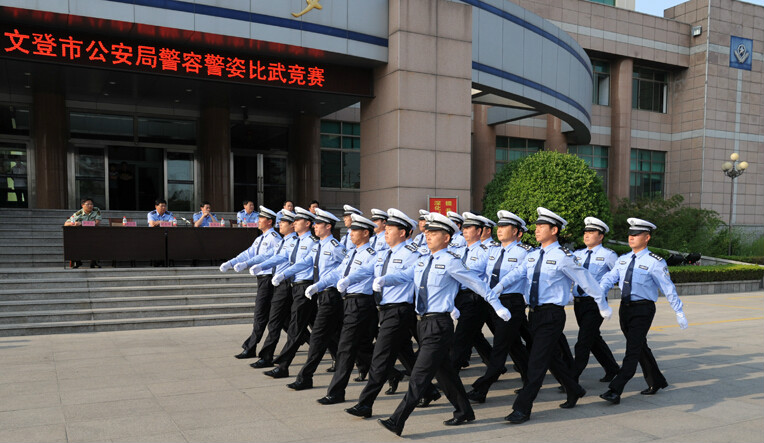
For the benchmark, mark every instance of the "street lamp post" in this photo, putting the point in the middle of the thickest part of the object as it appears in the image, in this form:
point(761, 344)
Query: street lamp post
point(732, 172)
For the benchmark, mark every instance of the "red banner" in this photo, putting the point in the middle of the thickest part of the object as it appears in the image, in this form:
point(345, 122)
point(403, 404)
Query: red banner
point(444, 204)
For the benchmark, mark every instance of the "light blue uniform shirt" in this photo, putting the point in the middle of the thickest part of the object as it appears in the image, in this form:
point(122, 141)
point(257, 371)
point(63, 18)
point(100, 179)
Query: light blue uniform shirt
point(207, 219)
point(559, 270)
point(421, 243)
point(488, 242)
point(250, 218)
point(303, 243)
point(154, 216)
point(346, 243)
point(332, 254)
point(514, 255)
point(378, 242)
point(404, 256)
point(363, 254)
point(457, 240)
point(447, 273)
point(278, 217)
point(601, 262)
point(474, 257)
point(649, 275)
point(264, 246)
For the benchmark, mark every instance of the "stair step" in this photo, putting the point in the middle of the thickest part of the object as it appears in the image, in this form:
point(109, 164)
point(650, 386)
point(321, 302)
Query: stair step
point(208, 281)
point(126, 292)
point(85, 272)
point(122, 302)
point(23, 317)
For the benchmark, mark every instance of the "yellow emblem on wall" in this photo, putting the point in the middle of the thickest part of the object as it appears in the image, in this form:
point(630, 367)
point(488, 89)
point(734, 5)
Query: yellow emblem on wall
point(312, 4)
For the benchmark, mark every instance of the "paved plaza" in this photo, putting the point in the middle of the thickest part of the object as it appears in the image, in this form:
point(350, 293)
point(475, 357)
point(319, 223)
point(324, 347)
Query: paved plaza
point(177, 385)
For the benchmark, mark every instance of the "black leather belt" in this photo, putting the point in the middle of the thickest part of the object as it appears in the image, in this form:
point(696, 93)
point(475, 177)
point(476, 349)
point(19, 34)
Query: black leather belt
point(545, 306)
point(432, 315)
point(387, 306)
point(465, 292)
point(510, 295)
point(356, 295)
point(303, 282)
point(638, 302)
point(582, 299)
point(264, 277)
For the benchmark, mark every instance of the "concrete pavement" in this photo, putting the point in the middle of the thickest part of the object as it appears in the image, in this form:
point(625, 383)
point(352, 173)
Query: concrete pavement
point(183, 384)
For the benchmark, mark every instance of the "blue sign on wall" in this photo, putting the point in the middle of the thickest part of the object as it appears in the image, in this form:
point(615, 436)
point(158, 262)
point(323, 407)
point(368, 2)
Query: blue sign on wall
point(741, 52)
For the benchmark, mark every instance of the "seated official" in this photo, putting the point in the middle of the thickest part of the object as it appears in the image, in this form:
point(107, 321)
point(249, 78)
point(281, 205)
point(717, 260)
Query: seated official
point(89, 212)
point(205, 216)
point(247, 216)
point(160, 213)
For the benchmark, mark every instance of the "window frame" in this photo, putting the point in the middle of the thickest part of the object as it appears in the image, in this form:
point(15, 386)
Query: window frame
point(641, 78)
point(348, 133)
point(638, 170)
point(504, 142)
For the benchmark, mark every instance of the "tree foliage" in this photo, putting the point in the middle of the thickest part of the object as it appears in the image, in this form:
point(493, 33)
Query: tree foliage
point(562, 183)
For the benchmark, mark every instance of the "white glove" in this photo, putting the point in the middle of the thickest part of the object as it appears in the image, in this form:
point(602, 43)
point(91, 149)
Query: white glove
point(310, 290)
point(504, 314)
point(606, 313)
point(682, 320)
point(277, 279)
point(498, 289)
point(238, 267)
point(455, 314)
point(255, 269)
point(342, 285)
point(378, 284)
point(225, 266)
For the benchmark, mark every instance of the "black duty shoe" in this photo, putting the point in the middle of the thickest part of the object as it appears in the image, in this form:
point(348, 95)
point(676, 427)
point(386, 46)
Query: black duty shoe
point(277, 372)
point(331, 400)
point(608, 377)
point(390, 426)
point(653, 389)
point(332, 368)
point(246, 354)
point(427, 399)
point(456, 421)
point(476, 396)
point(571, 402)
point(361, 376)
point(517, 417)
point(393, 382)
point(301, 385)
point(359, 411)
point(611, 396)
point(262, 363)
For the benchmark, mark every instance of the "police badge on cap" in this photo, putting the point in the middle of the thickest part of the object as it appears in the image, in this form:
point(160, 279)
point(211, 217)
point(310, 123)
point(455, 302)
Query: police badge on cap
point(595, 224)
point(266, 213)
point(638, 226)
point(398, 218)
point(351, 210)
point(439, 222)
point(545, 216)
point(287, 215)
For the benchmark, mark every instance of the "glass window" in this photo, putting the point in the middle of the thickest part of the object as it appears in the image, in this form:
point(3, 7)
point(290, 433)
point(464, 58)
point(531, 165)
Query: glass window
point(647, 174)
point(14, 120)
point(158, 130)
point(649, 90)
point(604, 2)
point(601, 87)
point(509, 149)
point(180, 181)
point(101, 126)
point(13, 176)
point(595, 157)
point(340, 156)
point(89, 176)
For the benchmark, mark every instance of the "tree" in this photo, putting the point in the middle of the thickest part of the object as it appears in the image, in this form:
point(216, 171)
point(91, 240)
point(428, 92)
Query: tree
point(562, 183)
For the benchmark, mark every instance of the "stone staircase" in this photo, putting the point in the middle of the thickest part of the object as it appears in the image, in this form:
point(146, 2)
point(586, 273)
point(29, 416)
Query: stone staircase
point(39, 294)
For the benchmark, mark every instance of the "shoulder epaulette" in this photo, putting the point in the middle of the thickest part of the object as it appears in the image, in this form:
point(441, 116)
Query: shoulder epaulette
point(453, 245)
point(495, 243)
point(168, 212)
point(335, 243)
point(242, 211)
point(454, 254)
point(314, 238)
point(371, 251)
point(528, 248)
point(566, 251)
point(608, 249)
point(485, 248)
point(656, 256)
point(411, 248)
point(274, 234)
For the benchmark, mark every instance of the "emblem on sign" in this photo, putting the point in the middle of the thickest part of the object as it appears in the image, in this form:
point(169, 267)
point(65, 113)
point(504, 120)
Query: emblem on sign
point(312, 4)
point(741, 53)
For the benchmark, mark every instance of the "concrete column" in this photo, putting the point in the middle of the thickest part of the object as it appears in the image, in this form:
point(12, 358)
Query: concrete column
point(555, 140)
point(619, 155)
point(415, 133)
point(50, 140)
point(483, 155)
point(215, 153)
point(305, 158)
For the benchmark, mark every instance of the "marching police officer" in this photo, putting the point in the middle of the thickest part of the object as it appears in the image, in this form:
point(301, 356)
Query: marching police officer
point(486, 237)
point(325, 256)
point(359, 309)
point(457, 241)
point(160, 213)
point(640, 274)
point(550, 272)
point(248, 216)
point(420, 241)
point(264, 246)
point(348, 220)
point(436, 278)
point(377, 242)
point(599, 260)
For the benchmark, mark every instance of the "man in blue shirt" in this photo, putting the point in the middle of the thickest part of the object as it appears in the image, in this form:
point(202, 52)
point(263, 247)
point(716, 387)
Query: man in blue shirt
point(347, 219)
point(420, 241)
point(377, 242)
point(457, 240)
point(640, 274)
point(288, 206)
point(160, 213)
point(599, 260)
point(437, 278)
point(248, 216)
point(205, 216)
point(550, 271)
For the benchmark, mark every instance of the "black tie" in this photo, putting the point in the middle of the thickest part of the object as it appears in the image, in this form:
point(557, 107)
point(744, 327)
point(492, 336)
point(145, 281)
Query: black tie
point(464, 257)
point(378, 295)
point(257, 252)
point(315, 263)
point(586, 265)
point(294, 251)
point(534, 298)
point(497, 269)
point(350, 263)
point(626, 291)
point(422, 240)
point(421, 302)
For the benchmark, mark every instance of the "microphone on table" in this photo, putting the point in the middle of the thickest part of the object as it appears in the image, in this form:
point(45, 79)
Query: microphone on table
point(187, 222)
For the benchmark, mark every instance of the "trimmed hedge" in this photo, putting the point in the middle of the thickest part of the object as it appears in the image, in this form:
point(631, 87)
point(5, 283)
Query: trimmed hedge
point(696, 274)
point(757, 260)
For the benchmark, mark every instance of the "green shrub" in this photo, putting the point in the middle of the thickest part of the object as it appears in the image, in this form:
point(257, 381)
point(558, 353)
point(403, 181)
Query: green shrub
point(694, 274)
point(757, 260)
point(562, 183)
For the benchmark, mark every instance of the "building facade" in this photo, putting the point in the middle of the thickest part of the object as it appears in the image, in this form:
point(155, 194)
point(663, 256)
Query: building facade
point(377, 103)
